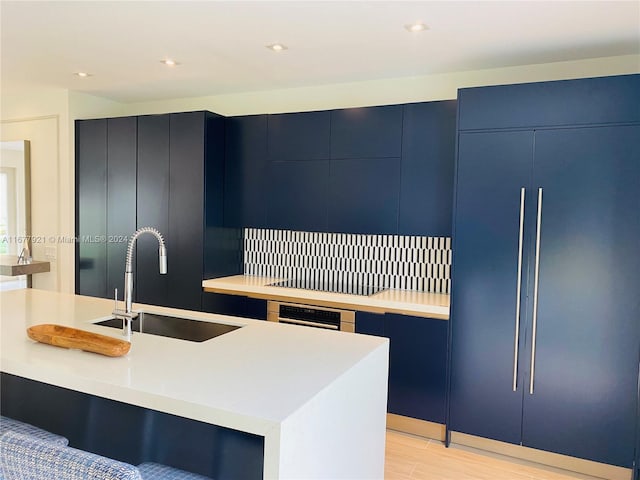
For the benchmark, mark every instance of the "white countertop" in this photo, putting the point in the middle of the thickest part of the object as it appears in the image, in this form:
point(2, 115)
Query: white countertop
point(250, 379)
point(408, 302)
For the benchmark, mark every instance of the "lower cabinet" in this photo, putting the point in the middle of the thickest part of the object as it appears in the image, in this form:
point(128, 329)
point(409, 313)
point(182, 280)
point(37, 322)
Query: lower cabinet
point(417, 362)
point(234, 305)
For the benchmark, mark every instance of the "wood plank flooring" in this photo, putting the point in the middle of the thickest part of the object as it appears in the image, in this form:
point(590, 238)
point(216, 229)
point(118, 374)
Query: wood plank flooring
point(414, 458)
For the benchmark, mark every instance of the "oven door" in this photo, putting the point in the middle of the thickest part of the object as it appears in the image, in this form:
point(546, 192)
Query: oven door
point(311, 316)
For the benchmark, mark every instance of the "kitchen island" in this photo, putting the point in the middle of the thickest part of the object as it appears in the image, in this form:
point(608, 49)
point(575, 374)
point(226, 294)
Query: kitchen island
point(314, 399)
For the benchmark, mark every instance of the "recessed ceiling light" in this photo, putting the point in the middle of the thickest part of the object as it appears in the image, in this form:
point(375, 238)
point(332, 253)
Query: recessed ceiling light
point(277, 47)
point(169, 62)
point(416, 27)
point(82, 74)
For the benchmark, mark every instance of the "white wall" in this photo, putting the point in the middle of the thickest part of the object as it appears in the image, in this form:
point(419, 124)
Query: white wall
point(45, 117)
point(386, 92)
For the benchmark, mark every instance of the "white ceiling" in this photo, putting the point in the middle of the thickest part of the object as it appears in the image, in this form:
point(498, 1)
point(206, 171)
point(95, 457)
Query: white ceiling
point(221, 44)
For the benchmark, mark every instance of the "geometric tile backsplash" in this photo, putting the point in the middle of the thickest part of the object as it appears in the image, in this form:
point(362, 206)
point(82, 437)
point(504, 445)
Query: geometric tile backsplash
point(389, 261)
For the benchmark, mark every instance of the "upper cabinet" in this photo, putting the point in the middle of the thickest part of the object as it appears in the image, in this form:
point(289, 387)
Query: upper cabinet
point(299, 136)
point(372, 170)
point(296, 195)
point(428, 153)
point(568, 102)
point(363, 195)
point(246, 169)
point(370, 132)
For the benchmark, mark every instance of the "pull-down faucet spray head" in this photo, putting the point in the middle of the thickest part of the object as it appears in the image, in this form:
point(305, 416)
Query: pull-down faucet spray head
point(162, 252)
point(128, 270)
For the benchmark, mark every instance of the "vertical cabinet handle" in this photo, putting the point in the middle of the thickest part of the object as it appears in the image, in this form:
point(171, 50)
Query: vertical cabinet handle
point(518, 290)
point(535, 292)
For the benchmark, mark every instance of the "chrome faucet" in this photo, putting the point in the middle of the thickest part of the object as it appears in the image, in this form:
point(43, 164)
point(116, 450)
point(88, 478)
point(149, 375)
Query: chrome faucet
point(128, 314)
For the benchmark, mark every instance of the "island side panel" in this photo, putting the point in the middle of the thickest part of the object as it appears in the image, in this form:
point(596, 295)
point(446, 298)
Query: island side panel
point(340, 433)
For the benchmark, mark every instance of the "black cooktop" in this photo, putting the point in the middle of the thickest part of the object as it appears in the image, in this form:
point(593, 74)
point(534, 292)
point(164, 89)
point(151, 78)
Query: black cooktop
point(319, 285)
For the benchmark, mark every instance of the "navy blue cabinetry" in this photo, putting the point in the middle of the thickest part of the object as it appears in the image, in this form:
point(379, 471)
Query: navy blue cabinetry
point(371, 170)
point(428, 155)
point(298, 180)
point(545, 337)
point(163, 171)
point(299, 136)
point(235, 305)
point(587, 340)
point(364, 195)
point(91, 207)
point(152, 207)
point(492, 170)
point(417, 362)
point(246, 170)
point(122, 145)
point(191, 156)
point(297, 195)
point(371, 132)
point(568, 102)
point(106, 199)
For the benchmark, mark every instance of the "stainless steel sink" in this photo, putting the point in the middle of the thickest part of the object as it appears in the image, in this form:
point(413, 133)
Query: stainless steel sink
point(174, 327)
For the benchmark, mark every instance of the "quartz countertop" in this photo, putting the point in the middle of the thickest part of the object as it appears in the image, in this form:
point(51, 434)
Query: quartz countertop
point(408, 302)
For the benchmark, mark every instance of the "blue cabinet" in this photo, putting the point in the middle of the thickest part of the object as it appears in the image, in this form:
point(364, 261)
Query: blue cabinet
point(105, 198)
point(246, 169)
point(370, 132)
point(372, 170)
point(299, 136)
point(492, 170)
point(588, 335)
point(417, 362)
point(297, 195)
point(91, 207)
point(152, 207)
point(122, 145)
point(586, 101)
point(234, 305)
point(428, 158)
point(545, 337)
point(364, 195)
point(163, 171)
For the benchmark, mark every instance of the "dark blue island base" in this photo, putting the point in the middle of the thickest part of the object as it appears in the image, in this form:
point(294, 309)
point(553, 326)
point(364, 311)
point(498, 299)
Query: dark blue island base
point(133, 434)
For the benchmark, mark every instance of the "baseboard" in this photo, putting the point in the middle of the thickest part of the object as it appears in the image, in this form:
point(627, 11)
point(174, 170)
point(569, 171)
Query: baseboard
point(556, 460)
point(415, 426)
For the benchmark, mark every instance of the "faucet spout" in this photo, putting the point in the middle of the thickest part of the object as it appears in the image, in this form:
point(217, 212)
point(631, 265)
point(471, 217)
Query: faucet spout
point(128, 270)
point(128, 315)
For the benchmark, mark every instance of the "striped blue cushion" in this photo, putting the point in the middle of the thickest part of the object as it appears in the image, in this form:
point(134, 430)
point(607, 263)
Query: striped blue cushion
point(10, 425)
point(27, 458)
point(155, 471)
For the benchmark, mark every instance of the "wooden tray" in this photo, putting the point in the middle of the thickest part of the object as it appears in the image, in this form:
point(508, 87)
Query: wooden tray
point(68, 337)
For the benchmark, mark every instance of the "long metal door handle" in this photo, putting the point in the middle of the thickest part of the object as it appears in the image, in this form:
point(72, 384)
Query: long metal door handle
point(535, 292)
point(518, 291)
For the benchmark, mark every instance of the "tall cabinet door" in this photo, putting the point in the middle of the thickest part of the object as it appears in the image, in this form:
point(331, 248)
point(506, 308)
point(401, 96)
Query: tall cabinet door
point(588, 330)
point(121, 196)
point(492, 169)
point(91, 207)
point(152, 207)
point(186, 209)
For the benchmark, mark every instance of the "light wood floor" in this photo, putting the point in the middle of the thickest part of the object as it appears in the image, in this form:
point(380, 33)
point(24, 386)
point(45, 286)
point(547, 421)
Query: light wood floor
point(414, 458)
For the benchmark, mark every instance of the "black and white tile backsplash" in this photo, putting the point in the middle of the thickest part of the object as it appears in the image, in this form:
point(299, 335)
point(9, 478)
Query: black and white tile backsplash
point(389, 261)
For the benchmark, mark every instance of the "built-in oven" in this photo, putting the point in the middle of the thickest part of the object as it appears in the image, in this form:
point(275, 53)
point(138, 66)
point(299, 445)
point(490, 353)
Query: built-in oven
point(311, 316)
